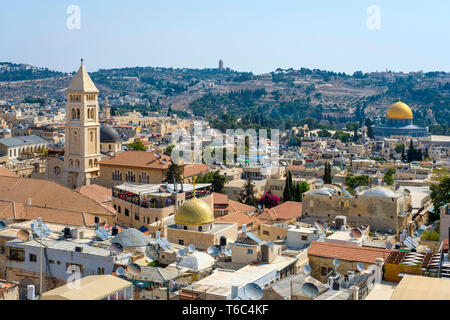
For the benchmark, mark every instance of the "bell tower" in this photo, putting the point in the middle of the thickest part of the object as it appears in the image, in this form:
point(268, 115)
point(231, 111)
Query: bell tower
point(82, 150)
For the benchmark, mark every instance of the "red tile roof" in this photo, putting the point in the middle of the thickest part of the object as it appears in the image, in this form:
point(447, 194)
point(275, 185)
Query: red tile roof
point(5, 172)
point(285, 211)
point(192, 170)
point(220, 198)
point(138, 159)
point(296, 168)
point(346, 252)
point(235, 206)
point(96, 193)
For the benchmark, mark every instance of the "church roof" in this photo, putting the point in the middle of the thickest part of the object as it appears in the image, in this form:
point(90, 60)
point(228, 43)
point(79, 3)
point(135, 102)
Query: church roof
point(82, 82)
point(109, 134)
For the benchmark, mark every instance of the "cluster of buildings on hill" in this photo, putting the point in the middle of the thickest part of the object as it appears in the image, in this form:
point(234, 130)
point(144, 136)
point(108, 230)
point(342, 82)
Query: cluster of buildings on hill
point(114, 217)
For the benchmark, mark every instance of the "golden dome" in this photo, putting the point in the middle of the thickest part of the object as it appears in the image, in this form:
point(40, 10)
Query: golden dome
point(194, 212)
point(399, 110)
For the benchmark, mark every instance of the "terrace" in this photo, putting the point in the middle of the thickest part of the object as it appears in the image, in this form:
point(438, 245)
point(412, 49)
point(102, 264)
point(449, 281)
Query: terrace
point(158, 195)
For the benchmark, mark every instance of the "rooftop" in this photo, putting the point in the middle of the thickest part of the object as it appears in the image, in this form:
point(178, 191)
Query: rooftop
point(20, 141)
point(139, 159)
point(347, 252)
point(422, 288)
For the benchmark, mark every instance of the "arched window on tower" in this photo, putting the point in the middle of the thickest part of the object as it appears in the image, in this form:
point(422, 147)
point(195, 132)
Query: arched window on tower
point(91, 163)
point(91, 136)
point(74, 114)
point(78, 113)
point(77, 163)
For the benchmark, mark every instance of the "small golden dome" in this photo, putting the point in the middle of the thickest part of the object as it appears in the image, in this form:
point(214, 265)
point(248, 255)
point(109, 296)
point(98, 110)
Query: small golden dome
point(399, 110)
point(194, 212)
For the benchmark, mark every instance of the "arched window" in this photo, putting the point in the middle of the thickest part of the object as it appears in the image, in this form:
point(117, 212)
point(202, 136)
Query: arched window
point(118, 209)
point(74, 114)
point(90, 163)
point(109, 147)
point(91, 136)
point(200, 228)
point(127, 212)
point(78, 113)
point(96, 163)
point(130, 177)
point(71, 162)
point(185, 227)
point(77, 163)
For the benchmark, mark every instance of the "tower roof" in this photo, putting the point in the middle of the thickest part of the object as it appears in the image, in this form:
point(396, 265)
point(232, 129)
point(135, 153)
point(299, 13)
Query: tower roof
point(82, 82)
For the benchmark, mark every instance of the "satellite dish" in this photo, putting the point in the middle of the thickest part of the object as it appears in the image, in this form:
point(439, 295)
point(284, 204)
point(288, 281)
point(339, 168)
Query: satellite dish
point(134, 269)
point(116, 248)
point(388, 245)
point(120, 271)
point(213, 251)
point(310, 290)
point(259, 206)
point(191, 248)
point(360, 267)
point(306, 269)
point(23, 235)
point(253, 291)
point(351, 235)
point(336, 262)
point(2, 225)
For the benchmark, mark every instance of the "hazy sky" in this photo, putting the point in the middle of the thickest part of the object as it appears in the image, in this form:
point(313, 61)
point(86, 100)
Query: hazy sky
point(249, 35)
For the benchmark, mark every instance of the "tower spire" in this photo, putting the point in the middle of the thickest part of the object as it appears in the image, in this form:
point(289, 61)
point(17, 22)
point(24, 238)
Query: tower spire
point(82, 62)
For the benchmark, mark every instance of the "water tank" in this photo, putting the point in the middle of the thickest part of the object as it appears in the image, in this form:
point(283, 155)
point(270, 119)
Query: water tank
point(67, 233)
point(114, 231)
point(223, 241)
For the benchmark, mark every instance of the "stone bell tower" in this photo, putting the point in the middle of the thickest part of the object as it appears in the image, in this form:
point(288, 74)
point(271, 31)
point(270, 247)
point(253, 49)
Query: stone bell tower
point(82, 151)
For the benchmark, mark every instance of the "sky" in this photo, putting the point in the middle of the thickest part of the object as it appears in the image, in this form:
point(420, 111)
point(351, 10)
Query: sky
point(249, 35)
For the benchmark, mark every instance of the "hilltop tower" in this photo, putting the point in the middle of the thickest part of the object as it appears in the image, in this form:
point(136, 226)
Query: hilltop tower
point(82, 150)
point(106, 110)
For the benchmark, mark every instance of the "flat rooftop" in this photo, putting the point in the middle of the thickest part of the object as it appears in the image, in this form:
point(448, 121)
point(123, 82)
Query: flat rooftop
point(216, 227)
point(221, 281)
point(143, 189)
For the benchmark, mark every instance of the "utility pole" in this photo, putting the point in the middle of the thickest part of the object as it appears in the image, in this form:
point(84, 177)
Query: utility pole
point(41, 260)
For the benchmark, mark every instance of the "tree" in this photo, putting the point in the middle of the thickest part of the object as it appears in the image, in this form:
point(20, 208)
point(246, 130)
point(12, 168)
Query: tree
point(302, 187)
point(137, 145)
point(388, 177)
point(287, 192)
point(327, 179)
point(269, 200)
point(218, 182)
point(440, 196)
point(176, 170)
point(168, 151)
point(247, 193)
point(355, 135)
point(356, 181)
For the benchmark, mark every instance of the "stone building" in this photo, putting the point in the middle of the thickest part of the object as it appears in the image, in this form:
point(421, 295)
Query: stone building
point(378, 207)
point(194, 224)
point(15, 147)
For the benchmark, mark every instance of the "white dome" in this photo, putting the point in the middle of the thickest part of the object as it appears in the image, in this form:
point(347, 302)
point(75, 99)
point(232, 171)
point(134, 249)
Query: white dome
point(322, 191)
point(379, 192)
point(197, 261)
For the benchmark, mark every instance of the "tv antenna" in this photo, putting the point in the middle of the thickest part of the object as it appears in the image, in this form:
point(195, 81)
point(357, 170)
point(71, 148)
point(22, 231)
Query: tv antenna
point(253, 291)
point(310, 290)
point(116, 248)
point(213, 251)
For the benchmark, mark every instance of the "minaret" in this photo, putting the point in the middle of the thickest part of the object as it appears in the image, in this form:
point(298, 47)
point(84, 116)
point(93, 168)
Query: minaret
point(106, 110)
point(82, 152)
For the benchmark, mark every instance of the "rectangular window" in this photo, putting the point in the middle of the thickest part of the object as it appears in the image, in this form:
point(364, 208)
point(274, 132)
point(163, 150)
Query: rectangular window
point(100, 270)
point(323, 271)
point(33, 257)
point(2, 250)
point(16, 254)
point(51, 261)
point(265, 232)
point(181, 242)
point(249, 251)
point(305, 238)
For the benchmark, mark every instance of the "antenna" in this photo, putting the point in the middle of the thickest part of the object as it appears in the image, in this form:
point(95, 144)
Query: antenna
point(306, 269)
point(134, 269)
point(120, 271)
point(23, 235)
point(310, 290)
point(213, 251)
point(336, 262)
point(388, 245)
point(191, 248)
point(116, 248)
point(253, 291)
point(360, 267)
